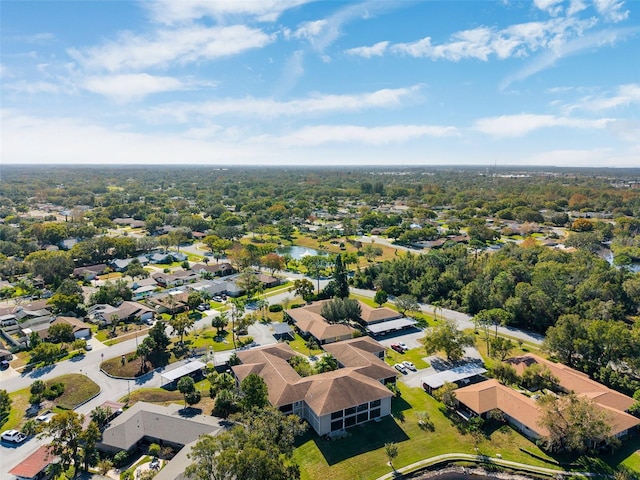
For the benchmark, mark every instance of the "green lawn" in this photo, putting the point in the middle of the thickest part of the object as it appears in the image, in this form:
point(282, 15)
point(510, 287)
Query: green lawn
point(414, 355)
point(361, 455)
point(19, 405)
point(78, 388)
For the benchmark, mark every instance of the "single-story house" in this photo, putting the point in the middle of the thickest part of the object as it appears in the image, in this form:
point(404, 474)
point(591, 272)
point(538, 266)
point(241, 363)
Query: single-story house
point(128, 311)
point(268, 281)
point(310, 323)
point(143, 292)
point(80, 328)
point(89, 272)
point(35, 465)
point(523, 412)
point(217, 269)
point(171, 302)
point(211, 287)
point(330, 401)
point(371, 315)
point(176, 278)
point(167, 257)
point(155, 424)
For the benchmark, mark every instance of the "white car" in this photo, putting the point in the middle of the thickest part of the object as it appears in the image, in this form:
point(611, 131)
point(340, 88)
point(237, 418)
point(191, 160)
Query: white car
point(403, 346)
point(400, 367)
point(409, 365)
point(13, 436)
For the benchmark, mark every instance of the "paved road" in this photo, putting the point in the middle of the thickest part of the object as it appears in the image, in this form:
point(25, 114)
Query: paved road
point(112, 389)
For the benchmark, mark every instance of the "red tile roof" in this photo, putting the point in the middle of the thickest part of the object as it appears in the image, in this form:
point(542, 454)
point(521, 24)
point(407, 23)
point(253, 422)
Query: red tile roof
point(34, 463)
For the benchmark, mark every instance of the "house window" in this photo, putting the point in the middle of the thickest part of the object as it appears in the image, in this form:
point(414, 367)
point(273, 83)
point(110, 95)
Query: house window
point(363, 408)
point(336, 415)
point(375, 403)
point(337, 425)
point(350, 411)
point(349, 421)
point(363, 417)
point(375, 413)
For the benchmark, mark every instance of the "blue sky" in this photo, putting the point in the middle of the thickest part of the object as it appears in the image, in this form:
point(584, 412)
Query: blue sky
point(265, 82)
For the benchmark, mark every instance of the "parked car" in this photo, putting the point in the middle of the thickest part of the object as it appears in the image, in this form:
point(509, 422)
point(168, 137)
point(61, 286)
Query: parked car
point(88, 347)
point(397, 348)
point(409, 365)
point(400, 367)
point(13, 436)
point(4, 364)
point(403, 346)
point(202, 307)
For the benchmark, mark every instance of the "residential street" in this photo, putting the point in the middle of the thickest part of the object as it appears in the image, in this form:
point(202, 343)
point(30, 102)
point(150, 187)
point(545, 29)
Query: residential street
point(113, 389)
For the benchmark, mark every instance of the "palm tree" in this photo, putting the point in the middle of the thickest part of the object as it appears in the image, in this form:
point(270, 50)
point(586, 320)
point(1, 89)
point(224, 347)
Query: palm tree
point(391, 450)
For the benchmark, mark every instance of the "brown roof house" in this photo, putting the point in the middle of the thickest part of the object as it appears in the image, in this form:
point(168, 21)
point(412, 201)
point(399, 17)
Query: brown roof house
point(309, 322)
point(127, 311)
point(330, 401)
point(80, 328)
point(523, 412)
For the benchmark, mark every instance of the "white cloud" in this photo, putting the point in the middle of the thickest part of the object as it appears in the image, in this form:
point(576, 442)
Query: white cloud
point(324, 32)
point(310, 29)
point(625, 95)
point(269, 108)
point(552, 7)
point(37, 38)
point(601, 157)
point(611, 10)
point(376, 50)
point(574, 47)
point(36, 87)
point(29, 140)
point(292, 72)
point(576, 6)
point(326, 134)
point(480, 43)
point(522, 124)
point(127, 87)
point(172, 11)
point(164, 47)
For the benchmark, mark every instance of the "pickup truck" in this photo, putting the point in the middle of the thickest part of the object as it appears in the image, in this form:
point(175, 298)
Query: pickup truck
point(13, 436)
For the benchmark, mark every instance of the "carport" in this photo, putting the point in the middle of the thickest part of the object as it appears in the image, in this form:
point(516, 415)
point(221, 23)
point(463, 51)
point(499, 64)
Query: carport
point(391, 326)
point(458, 374)
point(177, 373)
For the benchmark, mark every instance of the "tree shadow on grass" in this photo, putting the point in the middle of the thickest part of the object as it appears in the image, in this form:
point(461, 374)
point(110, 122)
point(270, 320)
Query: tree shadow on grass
point(361, 439)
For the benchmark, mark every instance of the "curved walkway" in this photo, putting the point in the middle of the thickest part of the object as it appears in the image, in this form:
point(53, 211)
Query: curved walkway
point(480, 459)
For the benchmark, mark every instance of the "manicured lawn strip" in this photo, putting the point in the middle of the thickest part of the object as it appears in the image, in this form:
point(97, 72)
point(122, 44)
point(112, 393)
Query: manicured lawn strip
point(154, 395)
point(361, 456)
point(19, 405)
point(166, 397)
point(299, 345)
point(208, 338)
point(415, 355)
point(77, 389)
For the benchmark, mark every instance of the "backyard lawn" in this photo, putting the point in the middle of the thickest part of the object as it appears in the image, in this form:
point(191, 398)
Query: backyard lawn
point(361, 455)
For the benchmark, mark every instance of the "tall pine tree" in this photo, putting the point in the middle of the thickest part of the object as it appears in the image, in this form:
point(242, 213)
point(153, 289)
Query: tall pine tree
point(340, 279)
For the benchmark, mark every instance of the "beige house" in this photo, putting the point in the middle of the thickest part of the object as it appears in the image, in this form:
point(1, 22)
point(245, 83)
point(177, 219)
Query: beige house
point(309, 322)
point(331, 401)
point(523, 411)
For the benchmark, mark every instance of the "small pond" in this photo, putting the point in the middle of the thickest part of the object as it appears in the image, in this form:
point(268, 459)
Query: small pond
point(297, 252)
